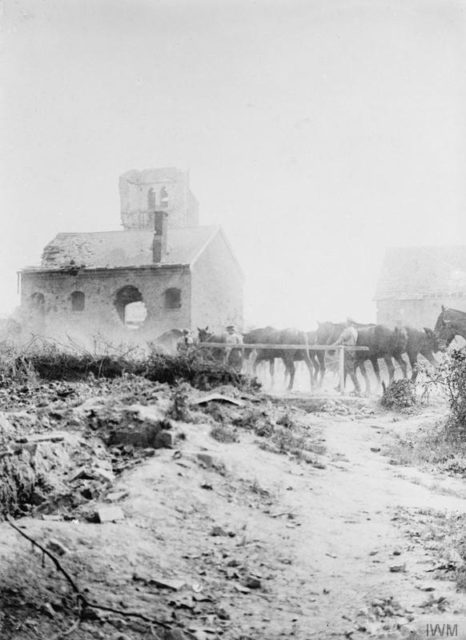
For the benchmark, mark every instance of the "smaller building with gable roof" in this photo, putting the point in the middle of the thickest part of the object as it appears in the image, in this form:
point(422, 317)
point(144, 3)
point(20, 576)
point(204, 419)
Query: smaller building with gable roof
point(415, 282)
point(162, 271)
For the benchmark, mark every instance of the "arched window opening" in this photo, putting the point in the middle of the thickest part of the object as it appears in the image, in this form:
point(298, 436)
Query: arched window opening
point(38, 302)
point(77, 301)
point(173, 298)
point(151, 199)
point(163, 198)
point(130, 307)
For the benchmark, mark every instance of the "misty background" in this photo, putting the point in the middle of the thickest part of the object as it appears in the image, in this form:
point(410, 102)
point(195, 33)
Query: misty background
point(317, 133)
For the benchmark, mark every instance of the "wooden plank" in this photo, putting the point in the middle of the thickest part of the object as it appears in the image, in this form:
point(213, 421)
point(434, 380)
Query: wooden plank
point(280, 347)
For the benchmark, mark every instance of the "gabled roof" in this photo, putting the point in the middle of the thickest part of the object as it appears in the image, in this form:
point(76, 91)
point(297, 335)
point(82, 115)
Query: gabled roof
point(416, 272)
point(129, 248)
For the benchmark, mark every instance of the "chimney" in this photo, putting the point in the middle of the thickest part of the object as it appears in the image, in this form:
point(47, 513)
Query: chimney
point(159, 246)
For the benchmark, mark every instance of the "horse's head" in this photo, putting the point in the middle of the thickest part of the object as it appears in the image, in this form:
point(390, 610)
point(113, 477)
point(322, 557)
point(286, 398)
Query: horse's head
point(432, 341)
point(204, 334)
point(444, 329)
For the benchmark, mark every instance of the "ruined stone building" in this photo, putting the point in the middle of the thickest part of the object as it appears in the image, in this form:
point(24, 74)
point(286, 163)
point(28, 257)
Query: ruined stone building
point(161, 271)
point(415, 282)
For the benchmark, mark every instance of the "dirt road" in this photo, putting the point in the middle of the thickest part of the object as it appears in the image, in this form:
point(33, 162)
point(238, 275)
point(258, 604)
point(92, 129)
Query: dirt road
point(351, 514)
point(263, 545)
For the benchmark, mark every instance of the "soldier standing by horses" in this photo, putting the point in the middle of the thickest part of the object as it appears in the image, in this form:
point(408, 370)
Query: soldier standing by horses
point(233, 357)
point(349, 338)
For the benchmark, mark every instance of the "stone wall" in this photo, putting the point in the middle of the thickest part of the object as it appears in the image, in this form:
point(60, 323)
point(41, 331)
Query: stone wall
point(217, 288)
point(211, 295)
point(100, 288)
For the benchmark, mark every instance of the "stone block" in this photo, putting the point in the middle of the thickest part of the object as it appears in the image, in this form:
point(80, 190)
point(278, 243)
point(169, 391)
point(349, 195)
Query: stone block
point(110, 514)
point(164, 439)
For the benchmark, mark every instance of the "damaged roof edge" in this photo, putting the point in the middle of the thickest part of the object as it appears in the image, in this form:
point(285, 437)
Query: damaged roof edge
point(74, 269)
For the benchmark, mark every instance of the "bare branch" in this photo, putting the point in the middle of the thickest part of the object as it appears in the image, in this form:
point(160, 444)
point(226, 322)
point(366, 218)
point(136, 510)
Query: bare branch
point(82, 600)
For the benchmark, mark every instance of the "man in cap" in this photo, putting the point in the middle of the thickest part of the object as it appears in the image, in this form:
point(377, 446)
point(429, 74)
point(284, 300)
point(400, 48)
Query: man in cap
point(186, 341)
point(349, 338)
point(233, 357)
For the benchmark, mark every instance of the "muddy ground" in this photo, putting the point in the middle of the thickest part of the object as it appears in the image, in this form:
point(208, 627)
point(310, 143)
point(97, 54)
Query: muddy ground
point(263, 519)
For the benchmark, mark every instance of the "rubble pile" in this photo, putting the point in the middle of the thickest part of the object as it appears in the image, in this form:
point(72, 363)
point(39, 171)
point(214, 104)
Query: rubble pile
point(354, 407)
point(385, 614)
point(400, 394)
point(281, 429)
point(35, 396)
point(127, 427)
point(42, 471)
point(341, 408)
point(442, 536)
point(33, 468)
point(62, 444)
point(63, 448)
point(60, 451)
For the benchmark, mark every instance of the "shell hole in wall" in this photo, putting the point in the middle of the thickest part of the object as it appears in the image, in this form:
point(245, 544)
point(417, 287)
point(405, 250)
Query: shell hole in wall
point(135, 315)
point(130, 307)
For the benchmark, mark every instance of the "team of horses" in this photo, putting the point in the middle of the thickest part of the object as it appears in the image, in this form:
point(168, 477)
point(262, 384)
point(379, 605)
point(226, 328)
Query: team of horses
point(380, 341)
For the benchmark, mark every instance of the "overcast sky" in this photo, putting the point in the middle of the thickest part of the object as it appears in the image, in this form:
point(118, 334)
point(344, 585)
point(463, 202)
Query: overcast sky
point(317, 132)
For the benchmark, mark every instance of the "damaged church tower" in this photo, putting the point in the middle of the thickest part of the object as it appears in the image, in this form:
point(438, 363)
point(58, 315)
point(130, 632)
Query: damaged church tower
point(162, 271)
point(144, 192)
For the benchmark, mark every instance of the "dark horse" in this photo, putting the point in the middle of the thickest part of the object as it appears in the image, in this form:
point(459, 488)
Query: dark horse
point(328, 333)
point(269, 335)
point(290, 356)
point(450, 323)
point(231, 356)
point(381, 342)
point(264, 335)
point(315, 357)
point(420, 342)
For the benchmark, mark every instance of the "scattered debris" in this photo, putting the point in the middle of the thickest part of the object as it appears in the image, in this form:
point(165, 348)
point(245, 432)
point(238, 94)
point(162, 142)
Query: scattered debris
point(115, 496)
point(398, 568)
point(158, 581)
point(57, 547)
point(110, 514)
point(209, 461)
point(219, 531)
point(217, 397)
point(241, 588)
point(400, 394)
point(253, 583)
